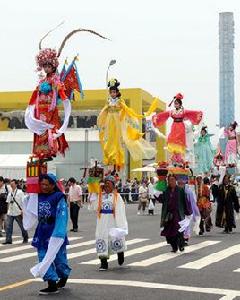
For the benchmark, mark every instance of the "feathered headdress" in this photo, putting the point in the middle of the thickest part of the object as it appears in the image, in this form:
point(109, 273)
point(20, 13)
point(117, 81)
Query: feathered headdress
point(50, 56)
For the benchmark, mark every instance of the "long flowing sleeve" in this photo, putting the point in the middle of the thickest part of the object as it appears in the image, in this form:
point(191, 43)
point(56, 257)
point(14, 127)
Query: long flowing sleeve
point(55, 241)
point(120, 215)
point(193, 116)
point(67, 114)
point(29, 217)
point(160, 118)
point(33, 124)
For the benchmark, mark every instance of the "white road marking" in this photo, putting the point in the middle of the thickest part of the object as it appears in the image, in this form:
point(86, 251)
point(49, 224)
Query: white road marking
point(129, 253)
point(93, 250)
point(25, 247)
point(226, 293)
point(70, 256)
point(167, 256)
point(212, 258)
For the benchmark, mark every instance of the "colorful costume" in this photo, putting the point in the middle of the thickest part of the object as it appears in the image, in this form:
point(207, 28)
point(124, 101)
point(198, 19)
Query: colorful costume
point(50, 238)
point(231, 148)
point(42, 116)
point(204, 153)
point(204, 205)
point(176, 142)
point(110, 215)
point(119, 126)
point(192, 202)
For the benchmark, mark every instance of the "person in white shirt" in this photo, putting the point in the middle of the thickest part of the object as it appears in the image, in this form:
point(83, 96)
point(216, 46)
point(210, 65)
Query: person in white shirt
point(15, 202)
point(143, 198)
point(75, 200)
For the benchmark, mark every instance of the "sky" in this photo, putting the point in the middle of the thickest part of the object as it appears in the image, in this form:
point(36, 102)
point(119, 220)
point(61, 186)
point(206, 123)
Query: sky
point(163, 47)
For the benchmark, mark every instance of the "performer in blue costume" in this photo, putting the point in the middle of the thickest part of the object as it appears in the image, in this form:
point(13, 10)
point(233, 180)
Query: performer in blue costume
point(50, 238)
point(204, 152)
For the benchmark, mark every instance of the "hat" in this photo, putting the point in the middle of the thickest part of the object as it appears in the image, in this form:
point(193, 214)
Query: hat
point(113, 83)
point(110, 178)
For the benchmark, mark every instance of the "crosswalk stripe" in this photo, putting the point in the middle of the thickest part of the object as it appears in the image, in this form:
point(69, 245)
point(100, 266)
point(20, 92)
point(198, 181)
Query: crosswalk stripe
point(70, 256)
point(93, 250)
point(167, 256)
point(129, 252)
point(25, 247)
point(237, 270)
point(22, 256)
point(212, 258)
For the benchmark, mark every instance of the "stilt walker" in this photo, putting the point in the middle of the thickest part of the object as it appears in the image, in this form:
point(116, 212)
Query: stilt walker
point(46, 204)
point(176, 142)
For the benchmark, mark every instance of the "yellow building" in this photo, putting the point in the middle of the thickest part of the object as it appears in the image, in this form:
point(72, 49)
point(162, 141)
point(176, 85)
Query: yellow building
point(136, 98)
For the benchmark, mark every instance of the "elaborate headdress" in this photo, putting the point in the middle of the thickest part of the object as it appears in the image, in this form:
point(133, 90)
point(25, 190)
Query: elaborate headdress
point(179, 96)
point(50, 56)
point(113, 83)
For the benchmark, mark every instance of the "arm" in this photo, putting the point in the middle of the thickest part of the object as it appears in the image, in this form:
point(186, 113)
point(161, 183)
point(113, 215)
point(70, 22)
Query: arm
point(33, 124)
point(160, 118)
point(29, 219)
point(67, 114)
point(193, 116)
point(120, 215)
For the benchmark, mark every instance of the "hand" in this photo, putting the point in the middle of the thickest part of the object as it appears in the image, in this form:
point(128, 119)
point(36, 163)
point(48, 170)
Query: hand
point(56, 135)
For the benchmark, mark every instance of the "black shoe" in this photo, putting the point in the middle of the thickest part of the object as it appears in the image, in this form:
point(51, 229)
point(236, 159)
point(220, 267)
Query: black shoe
point(200, 233)
point(51, 289)
point(181, 248)
point(174, 250)
point(7, 243)
point(62, 282)
point(120, 258)
point(104, 265)
point(25, 241)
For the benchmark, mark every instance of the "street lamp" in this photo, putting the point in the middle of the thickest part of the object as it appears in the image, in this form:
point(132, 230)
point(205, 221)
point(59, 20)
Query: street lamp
point(111, 63)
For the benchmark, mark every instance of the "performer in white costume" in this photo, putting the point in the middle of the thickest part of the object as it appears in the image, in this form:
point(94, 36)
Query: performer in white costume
point(112, 226)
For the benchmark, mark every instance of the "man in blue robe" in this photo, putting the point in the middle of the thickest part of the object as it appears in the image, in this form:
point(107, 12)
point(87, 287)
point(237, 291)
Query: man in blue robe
point(50, 238)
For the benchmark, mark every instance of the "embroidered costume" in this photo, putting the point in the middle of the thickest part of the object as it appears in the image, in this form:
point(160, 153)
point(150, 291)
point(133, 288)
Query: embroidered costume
point(176, 142)
point(119, 127)
point(42, 116)
point(204, 152)
point(231, 148)
point(50, 237)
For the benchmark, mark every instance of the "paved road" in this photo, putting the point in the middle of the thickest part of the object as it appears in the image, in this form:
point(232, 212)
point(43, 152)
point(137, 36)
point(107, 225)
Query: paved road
point(209, 268)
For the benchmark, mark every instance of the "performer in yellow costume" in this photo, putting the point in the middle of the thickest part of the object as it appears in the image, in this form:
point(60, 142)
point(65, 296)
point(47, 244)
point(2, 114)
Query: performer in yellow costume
point(119, 126)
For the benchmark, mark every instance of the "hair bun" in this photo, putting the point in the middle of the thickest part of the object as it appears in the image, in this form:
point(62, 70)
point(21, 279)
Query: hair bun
point(179, 96)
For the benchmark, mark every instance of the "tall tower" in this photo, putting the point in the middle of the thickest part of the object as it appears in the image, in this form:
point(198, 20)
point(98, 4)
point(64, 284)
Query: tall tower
point(226, 68)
